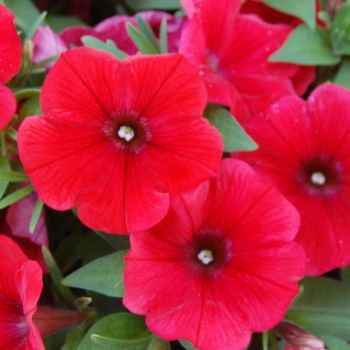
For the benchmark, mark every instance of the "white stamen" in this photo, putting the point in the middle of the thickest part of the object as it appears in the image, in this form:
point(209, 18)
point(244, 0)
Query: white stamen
point(126, 133)
point(205, 256)
point(318, 178)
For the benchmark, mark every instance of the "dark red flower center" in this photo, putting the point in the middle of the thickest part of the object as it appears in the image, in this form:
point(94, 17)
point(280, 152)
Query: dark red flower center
point(128, 132)
point(321, 175)
point(209, 250)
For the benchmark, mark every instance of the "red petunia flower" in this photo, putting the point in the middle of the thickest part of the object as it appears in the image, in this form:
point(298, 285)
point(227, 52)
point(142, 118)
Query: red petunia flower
point(20, 288)
point(133, 135)
point(304, 147)
point(222, 264)
point(231, 51)
point(10, 62)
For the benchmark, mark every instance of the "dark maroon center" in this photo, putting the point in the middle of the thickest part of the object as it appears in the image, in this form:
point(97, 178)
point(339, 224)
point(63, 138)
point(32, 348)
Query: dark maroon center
point(321, 175)
point(209, 250)
point(128, 132)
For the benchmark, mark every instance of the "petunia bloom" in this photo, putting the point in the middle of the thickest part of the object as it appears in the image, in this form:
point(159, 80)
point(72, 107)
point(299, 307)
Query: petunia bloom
point(221, 265)
point(20, 288)
point(10, 62)
point(133, 135)
point(22, 322)
point(304, 147)
point(232, 52)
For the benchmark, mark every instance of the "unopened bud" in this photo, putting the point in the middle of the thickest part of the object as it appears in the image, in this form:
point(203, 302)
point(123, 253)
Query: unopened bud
point(298, 337)
point(27, 53)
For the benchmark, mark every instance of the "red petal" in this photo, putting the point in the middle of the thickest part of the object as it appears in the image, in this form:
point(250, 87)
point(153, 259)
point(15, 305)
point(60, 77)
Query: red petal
point(8, 106)
point(10, 46)
point(89, 72)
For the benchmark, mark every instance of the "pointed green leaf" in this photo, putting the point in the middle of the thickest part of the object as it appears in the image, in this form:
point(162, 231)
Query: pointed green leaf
point(109, 46)
point(125, 328)
point(139, 5)
point(103, 275)
point(36, 214)
point(4, 166)
point(57, 275)
point(13, 176)
point(163, 36)
point(16, 196)
point(233, 135)
point(306, 46)
point(147, 31)
point(303, 9)
point(323, 308)
point(33, 28)
point(141, 42)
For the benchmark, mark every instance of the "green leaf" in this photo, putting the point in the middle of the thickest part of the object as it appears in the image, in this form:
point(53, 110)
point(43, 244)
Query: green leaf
point(342, 77)
point(323, 308)
point(187, 345)
point(127, 331)
point(31, 108)
point(118, 242)
point(108, 46)
point(340, 30)
point(120, 343)
point(57, 275)
point(345, 274)
point(74, 338)
point(103, 275)
point(159, 344)
point(141, 42)
point(36, 214)
point(233, 135)
point(163, 36)
point(265, 340)
point(25, 11)
point(16, 196)
point(147, 31)
point(13, 176)
point(33, 28)
point(334, 343)
point(139, 5)
point(4, 166)
point(303, 9)
point(26, 93)
point(59, 23)
point(306, 46)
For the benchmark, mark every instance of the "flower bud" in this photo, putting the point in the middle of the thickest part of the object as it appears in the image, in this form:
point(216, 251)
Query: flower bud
point(298, 337)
